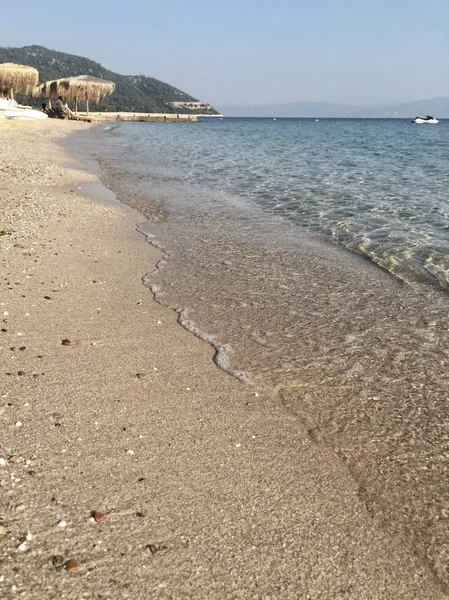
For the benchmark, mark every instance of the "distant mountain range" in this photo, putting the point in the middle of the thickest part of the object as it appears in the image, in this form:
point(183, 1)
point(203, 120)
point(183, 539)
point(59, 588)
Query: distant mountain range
point(433, 106)
point(133, 92)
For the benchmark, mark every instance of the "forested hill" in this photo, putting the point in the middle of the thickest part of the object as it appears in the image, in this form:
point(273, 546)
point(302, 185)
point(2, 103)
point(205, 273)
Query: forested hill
point(133, 92)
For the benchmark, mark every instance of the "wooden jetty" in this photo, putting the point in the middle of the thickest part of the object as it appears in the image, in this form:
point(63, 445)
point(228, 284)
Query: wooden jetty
point(143, 117)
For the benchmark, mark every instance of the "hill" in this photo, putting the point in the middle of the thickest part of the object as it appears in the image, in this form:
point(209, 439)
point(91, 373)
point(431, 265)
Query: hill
point(133, 92)
point(433, 106)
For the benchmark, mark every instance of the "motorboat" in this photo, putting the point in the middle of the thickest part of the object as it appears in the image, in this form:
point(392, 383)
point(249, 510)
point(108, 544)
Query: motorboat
point(427, 119)
point(11, 110)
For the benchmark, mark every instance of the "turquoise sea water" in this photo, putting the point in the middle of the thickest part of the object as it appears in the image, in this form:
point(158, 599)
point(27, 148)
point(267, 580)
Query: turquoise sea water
point(377, 187)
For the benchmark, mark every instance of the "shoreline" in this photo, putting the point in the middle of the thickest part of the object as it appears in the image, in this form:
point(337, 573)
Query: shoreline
point(208, 488)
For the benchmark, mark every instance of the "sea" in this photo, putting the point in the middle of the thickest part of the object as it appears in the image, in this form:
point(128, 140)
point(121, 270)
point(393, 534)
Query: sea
point(313, 255)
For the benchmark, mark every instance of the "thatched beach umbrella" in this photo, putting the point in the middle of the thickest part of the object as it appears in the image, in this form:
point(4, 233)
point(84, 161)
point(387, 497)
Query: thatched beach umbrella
point(16, 78)
point(82, 87)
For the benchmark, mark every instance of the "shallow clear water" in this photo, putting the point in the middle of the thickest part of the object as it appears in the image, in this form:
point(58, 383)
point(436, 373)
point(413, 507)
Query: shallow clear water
point(244, 211)
point(378, 187)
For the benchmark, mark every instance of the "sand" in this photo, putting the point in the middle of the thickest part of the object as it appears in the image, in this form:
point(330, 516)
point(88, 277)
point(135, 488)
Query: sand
point(206, 487)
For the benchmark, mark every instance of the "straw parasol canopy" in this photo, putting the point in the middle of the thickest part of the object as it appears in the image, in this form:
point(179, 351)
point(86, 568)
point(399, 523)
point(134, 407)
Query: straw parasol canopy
point(82, 87)
point(17, 77)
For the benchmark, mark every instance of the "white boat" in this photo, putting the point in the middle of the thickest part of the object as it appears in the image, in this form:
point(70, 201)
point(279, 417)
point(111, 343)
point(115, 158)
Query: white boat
point(427, 119)
point(12, 110)
point(27, 113)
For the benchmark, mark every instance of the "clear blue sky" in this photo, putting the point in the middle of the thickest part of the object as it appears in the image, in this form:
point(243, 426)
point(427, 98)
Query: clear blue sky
point(231, 52)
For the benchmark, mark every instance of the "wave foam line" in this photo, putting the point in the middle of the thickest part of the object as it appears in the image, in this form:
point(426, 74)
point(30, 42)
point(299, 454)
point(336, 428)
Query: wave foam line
point(222, 350)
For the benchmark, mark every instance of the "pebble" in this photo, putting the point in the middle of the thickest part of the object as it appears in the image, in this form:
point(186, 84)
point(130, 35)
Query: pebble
point(19, 423)
point(22, 547)
point(2, 531)
point(130, 452)
point(316, 434)
point(71, 565)
point(98, 516)
point(65, 342)
point(20, 507)
point(2, 462)
point(153, 548)
point(62, 524)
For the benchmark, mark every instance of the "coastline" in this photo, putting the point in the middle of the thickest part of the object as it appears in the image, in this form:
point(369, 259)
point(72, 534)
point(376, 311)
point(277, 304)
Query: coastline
point(208, 490)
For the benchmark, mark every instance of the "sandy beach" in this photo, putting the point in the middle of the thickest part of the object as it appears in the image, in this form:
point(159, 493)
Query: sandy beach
point(130, 465)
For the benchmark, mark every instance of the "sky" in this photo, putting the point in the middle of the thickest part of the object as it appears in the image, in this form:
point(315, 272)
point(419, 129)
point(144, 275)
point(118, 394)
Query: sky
point(246, 52)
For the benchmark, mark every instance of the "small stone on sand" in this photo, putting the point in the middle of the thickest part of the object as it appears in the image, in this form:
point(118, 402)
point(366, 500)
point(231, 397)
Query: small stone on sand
point(71, 565)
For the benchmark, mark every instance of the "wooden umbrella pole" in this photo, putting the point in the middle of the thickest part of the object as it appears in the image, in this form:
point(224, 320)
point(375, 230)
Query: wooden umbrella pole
point(87, 104)
point(76, 104)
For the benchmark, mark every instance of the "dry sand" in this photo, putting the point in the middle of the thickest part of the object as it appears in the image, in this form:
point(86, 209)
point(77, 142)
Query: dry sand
point(208, 490)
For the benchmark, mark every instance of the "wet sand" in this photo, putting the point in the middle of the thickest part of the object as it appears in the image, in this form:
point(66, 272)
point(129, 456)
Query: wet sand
point(209, 488)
